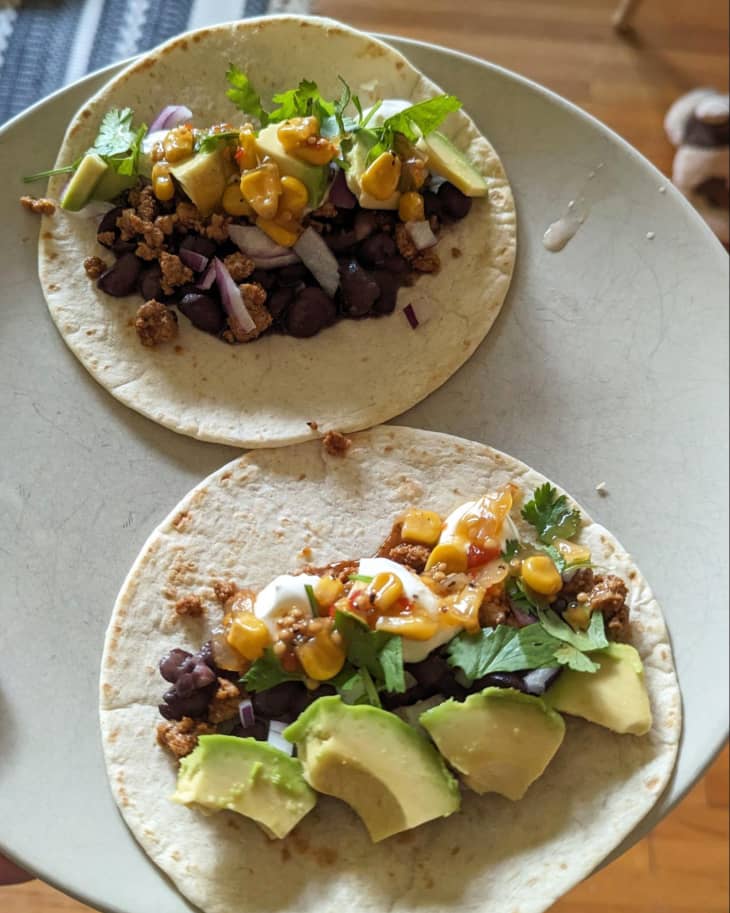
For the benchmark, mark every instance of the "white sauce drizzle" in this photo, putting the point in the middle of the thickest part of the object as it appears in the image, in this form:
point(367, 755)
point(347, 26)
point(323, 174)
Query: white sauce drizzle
point(560, 232)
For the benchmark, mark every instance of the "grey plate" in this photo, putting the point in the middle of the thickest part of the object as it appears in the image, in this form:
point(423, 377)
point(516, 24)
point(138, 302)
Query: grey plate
point(608, 363)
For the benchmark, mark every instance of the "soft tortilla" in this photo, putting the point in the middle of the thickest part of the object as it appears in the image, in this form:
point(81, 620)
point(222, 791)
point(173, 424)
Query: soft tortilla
point(351, 376)
point(274, 510)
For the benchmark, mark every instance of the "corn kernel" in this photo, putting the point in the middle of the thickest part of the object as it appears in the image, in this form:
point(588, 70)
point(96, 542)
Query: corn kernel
point(321, 657)
point(572, 552)
point(163, 188)
point(578, 616)
point(286, 235)
point(248, 635)
point(234, 203)
point(380, 180)
point(316, 151)
point(410, 207)
point(296, 131)
point(450, 554)
point(261, 188)
point(246, 152)
point(387, 589)
point(421, 526)
point(541, 575)
point(413, 627)
point(327, 590)
point(294, 196)
point(178, 144)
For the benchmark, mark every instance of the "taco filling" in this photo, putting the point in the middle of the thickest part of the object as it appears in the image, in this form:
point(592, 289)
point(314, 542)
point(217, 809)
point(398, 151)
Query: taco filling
point(458, 643)
point(285, 221)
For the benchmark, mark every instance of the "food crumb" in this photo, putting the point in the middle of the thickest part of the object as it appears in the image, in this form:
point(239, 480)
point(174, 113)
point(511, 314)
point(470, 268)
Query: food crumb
point(602, 489)
point(650, 235)
point(41, 206)
point(336, 444)
point(662, 189)
point(224, 590)
point(189, 606)
point(313, 425)
point(94, 267)
point(455, 253)
point(306, 553)
point(155, 323)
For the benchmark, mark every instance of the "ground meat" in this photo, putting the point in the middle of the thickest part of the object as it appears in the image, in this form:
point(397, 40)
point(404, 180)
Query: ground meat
point(313, 425)
point(155, 323)
point(339, 569)
point(604, 593)
point(427, 261)
point(41, 206)
point(580, 582)
point(413, 556)
point(495, 608)
point(188, 217)
point(224, 590)
point(130, 224)
point(94, 267)
point(165, 224)
point(190, 606)
point(239, 266)
point(145, 202)
point(254, 296)
point(145, 252)
point(217, 229)
point(406, 247)
point(174, 272)
point(224, 705)
point(181, 737)
point(107, 238)
point(336, 444)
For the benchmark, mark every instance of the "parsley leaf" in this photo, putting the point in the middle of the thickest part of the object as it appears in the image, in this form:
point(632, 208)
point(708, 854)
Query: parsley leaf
point(512, 548)
point(592, 639)
point(522, 597)
point(551, 515)
point(502, 649)
point(356, 686)
point(374, 651)
point(116, 135)
point(267, 672)
point(572, 657)
point(391, 662)
point(210, 141)
point(243, 95)
point(422, 118)
point(127, 164)
point(304, 101)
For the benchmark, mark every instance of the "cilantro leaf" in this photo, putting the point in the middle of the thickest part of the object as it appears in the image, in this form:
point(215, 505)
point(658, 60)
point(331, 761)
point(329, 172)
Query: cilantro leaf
point(304, 101)
point(40, 175)
point(267, 672)
point(592, 639)
point(127, 164)
point(363, 578)
point(243, 95)
point(422, 118)
point(551, 515)
point(356, 686)
point(512, 548)
point(523, 598)
point(313, 604)
point(391, 662)
point(502, 649)
point(373, 650)
point(574, 659)
point(210, 141)
point(557, 558)
point(115, 135)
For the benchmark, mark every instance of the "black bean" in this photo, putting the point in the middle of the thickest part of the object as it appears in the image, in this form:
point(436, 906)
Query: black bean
point(341, 241)
point(203, 311)
point(374, 251)
point(279, 300)
point(292, 275)
point(171, 662)
point(203, 246)
point(259, 731)
point(310, 312)
point(275, 702)
point(149, 282)
point(431, 204)
point(365, 224)
point(205, 654)
point(396, 264)
point(185, 684)
point(121, 278)
point(264, 277)
point(194, 705)
point(391, 700)
point(109, 223)
point(498, 680)
point(202, 675)
point(454, 203)
point(359, 290)
point(430, 671)
point(388, 283)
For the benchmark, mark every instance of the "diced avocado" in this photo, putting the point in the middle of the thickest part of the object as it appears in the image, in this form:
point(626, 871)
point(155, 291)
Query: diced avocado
point(248, 777)
point(357, 159)
point(112, 184)
point(615, 696)
point(499, 740)
point(389, 773)
point(449, 162)
point(83, 182)
point(203, 177)
point(314, 177)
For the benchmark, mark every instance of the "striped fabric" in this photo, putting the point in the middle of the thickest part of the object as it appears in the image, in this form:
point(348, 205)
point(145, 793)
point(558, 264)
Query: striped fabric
point(45, 44)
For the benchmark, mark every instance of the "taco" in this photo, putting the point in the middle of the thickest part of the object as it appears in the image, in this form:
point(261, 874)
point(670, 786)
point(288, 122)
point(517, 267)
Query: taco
point(460, 656)
point(307, 180)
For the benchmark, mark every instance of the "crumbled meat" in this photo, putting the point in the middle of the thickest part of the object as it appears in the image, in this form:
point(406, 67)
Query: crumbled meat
point(107, 238)
point(239, 266)
point(217, 229)
point(224, 705)
point(94, 267)
point(174, 272)
point(130, 224)
point(413, 556)
point(326, 211)
point(181, 737)
point(224, 590)
point(190, 606)
point(188, 216)
point(580, 582)
point(336, 444)
point(604, 593)
point(339, 569)
point(145, 202)
point(154, 236)
point(165, 224)
point(254, 296)
point(41, 206)
point(155, 323)
point(495, 608)
point(145, 252)
point(427, 261)
point(404, 241)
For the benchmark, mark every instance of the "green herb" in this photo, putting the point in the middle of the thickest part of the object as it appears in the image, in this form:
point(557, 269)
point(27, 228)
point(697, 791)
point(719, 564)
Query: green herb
point(267, 672)
point(363, 578)
point(413, 122)
point(522, 597)
point(374, 651)
point(512, 548)
point(575, 644)
point(313, 604)
point(502, 649)
point(356, 686)
point(243, 95)
point(391, 662)
point(304, 101)
point(128, 164)
point(554, 554)
point(211, 141)
point(40, 175)
point(551, 515)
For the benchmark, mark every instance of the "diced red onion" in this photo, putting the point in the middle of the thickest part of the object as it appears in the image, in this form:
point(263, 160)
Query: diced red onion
point(276, 262)
point(208, 277)
point(421, 234)
point(231, 298)
point(193, 259)
point(262, 249)
point(246, 713)
point(365, 224)
point(539, 680)
point(523, 619)
point(319, 260)
point(411, 316)
point(340, 194)
point(277, 740)
point(169, 117)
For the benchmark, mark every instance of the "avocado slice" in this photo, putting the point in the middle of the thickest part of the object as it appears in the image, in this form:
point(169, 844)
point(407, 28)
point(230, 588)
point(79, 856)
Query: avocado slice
point(357, 159)
point(615, 696)
point(499, 740)
point(112, 184)
point(314, 177)
point(248, 777)
point(84, 180)
point(385, 770)
point(451, 163)
point(203, 177)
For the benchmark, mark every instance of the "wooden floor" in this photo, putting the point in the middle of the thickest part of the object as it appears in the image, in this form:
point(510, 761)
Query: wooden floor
point(628, 82)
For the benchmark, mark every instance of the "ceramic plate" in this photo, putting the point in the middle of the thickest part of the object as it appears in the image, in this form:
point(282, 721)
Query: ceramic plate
point(607, 364)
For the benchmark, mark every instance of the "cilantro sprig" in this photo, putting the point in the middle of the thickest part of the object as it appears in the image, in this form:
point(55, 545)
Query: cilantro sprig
point(551, 515)
point(267, 672)
point(381, 654)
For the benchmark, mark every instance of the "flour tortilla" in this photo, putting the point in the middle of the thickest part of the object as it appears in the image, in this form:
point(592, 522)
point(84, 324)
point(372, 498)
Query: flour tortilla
point(274, 510)
point(352, 375)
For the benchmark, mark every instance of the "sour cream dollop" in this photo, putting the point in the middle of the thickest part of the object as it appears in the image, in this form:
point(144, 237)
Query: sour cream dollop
point(280, 596)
